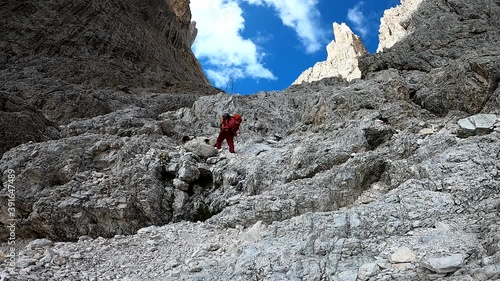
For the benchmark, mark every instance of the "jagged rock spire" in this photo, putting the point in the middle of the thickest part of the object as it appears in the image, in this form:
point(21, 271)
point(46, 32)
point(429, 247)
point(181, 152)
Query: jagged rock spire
point(344, 51)
point(342, 57)
point(393, 25)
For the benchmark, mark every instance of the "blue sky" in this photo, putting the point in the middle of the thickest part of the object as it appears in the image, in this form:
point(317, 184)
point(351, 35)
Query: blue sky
point(247, 46)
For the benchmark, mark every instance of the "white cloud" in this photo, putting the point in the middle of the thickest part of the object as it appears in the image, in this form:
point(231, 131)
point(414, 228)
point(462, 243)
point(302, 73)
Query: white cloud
point(302, 16)
point(227, 56)
point(219, 42)
point(358, 18)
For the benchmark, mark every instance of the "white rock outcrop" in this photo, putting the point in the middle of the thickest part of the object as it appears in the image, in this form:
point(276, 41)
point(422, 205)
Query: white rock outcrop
point(342, 57)
point(393, 25)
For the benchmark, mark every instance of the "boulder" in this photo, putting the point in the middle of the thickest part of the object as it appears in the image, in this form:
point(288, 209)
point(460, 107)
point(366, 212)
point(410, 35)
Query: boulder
point(477, 124)
point(444, 264)
point(39, 243)
point(368, 270)
point(179, 184)
point(188, 173)
point(201, 147)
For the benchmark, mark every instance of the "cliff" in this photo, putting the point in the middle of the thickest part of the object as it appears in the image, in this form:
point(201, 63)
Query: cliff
point(394, 25)
point(96, 43)
point(72, 60)
point(450, 60)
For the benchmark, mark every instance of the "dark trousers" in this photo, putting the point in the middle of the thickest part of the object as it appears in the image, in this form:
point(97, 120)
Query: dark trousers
point(228, 136)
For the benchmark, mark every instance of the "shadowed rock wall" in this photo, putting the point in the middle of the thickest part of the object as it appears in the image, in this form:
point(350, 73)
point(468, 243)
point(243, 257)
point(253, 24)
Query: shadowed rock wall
point(99, 43)
point(451, 61)
point(80, 59)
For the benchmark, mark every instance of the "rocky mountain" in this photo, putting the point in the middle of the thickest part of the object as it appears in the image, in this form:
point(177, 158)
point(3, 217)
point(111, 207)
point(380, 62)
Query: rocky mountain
point(455, 68)
point(393, 176)
point(342, 57)
point(74, 60)
point(344, 52)
point(394, 25)
point(105, 44)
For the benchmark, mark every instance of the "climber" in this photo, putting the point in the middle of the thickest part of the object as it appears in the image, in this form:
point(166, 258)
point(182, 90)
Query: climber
point(229, 126)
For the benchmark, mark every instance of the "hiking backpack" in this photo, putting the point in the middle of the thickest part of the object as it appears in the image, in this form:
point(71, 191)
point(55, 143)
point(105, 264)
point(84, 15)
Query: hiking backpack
point(234, 123)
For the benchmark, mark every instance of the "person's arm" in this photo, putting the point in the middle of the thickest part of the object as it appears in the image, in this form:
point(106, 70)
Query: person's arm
point(235, 132)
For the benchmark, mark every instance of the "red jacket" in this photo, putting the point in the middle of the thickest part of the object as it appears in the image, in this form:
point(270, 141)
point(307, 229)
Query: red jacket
point(233, 124)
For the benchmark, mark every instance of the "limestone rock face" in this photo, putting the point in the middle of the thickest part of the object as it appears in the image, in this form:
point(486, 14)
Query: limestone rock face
point(183, 13)
point(21, 123)
point(451, 60)
point(85, 59)
point(133, 43)
point(331, 180)
point(103, 184)
point(394, 25)
point(342, 57)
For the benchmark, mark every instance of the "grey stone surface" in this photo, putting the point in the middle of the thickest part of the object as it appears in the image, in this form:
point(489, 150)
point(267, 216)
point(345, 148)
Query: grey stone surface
point(477, 124)
point(368, 270)
point(148, 47)
point(40, 243)
point(461, 46)
point(179, 184)
point(402, 255)
point(22, 123)
point(202, 147)
point(329, 181)
point(444, 264)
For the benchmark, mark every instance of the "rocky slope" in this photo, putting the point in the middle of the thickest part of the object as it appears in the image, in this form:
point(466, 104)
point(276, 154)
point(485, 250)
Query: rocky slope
point(332, 180)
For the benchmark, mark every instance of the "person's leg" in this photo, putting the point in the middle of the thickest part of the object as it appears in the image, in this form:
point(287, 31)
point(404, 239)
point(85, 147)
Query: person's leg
point(230, 142)
point(220, 138)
